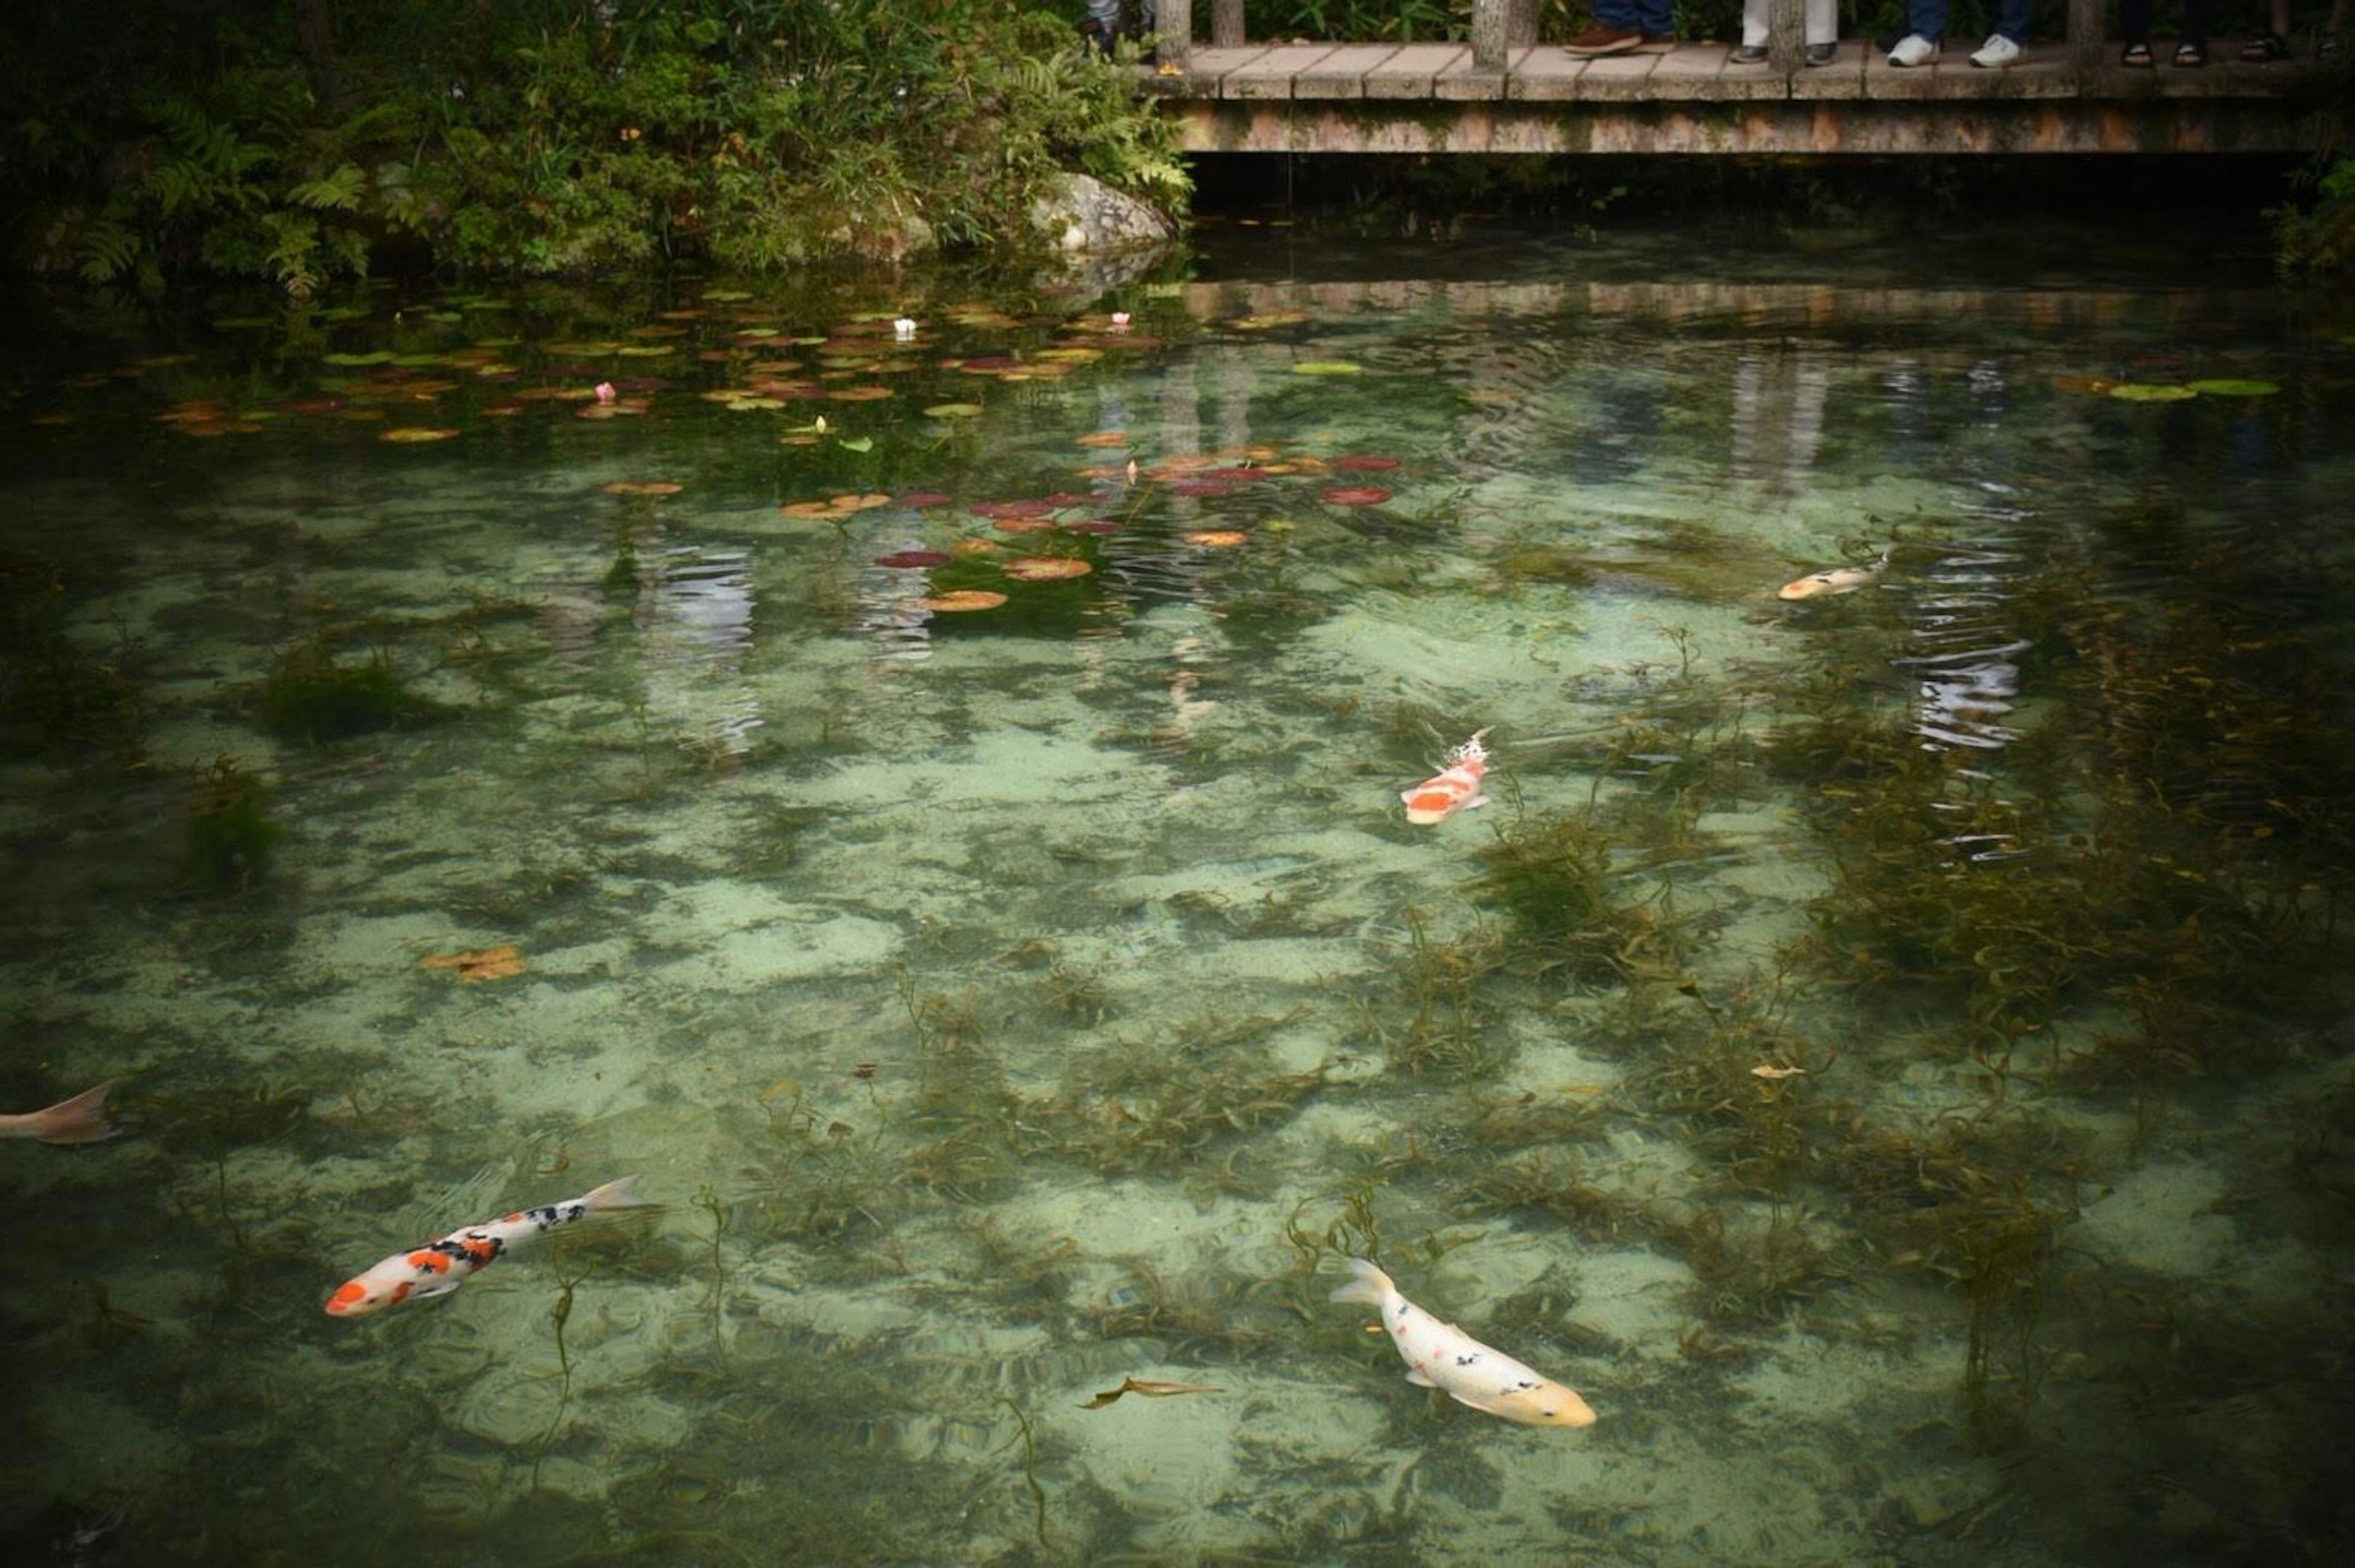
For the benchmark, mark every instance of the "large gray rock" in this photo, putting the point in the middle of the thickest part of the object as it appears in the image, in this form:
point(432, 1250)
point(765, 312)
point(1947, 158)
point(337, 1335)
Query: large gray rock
point(1083, 215)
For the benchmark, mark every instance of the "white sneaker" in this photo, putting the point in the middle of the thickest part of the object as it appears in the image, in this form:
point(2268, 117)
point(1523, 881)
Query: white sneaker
point(1998, 50)
point(1913, 49)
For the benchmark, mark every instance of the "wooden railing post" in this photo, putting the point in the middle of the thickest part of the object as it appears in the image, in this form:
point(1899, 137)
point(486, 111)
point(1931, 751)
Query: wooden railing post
point(2086, 33)
point(1786, 35)
point(1489, 34)
point(1226, 24)
point(1173, 31)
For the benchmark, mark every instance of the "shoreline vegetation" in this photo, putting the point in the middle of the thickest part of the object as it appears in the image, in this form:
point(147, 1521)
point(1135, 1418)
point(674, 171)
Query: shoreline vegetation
point(306, 142)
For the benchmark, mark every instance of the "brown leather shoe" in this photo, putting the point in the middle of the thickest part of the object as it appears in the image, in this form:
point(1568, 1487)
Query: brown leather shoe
point(1602, 40)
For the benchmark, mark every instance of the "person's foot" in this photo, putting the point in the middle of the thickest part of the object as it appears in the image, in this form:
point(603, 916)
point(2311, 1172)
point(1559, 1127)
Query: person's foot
point(1599, 40)
point(1659, 40)
point(1997, 52)
point(1912, 49)
point(1748, 54)
point(1822, 54)
point(2265, 51)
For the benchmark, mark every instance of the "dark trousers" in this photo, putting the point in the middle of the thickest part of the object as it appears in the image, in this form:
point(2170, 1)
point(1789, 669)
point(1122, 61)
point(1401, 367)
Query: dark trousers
point(2134, 20)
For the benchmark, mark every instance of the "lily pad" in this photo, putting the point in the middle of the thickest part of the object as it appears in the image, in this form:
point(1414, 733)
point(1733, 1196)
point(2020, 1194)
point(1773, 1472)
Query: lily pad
point(926, 499)
point(1327, 368)
point(413, 434)
point(1218, 538)
point(1362, 463)
point(2227, 387)
point(1047, 568)
point(962, 599)
point(955, 412)
point(642, 488)
point(2149, 393)
point(1356, 495)
point(911, 558)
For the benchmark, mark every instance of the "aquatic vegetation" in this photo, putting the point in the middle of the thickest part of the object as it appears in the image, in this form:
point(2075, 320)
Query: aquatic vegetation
point(55, 693)
point(313, 694)
point(1439, 1022)
point(1554, 877)
point(230, 834)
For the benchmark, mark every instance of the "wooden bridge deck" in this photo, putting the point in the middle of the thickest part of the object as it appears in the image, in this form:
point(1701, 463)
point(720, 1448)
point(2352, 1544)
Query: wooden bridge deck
point(1435, 97)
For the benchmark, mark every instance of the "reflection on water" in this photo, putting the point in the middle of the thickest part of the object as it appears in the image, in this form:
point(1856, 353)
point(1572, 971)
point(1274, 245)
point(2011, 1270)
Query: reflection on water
point(1867, 1046)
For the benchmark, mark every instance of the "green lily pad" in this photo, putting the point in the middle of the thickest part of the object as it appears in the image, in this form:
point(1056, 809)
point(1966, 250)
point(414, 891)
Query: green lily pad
point(955, 410)
point(857, 443)
point(725, 296)
point(2227, 387)
point(1327, 368)
point(381, 356)
point(2148, 392)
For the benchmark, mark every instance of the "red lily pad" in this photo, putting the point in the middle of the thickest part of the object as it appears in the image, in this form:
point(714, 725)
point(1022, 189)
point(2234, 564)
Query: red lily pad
point(1363, 463)
point(911, 558)
point(925, 499)
point(1047, 568)
point(1012, 509)
point(1356, 495)
point(1200, 487)
point(1062, 499)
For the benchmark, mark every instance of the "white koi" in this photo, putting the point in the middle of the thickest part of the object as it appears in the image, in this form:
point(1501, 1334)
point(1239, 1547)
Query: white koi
point(1832, 580)
point(1456, 787)
point(1442, 1356)
point(81, 1120)
point(437, 1268)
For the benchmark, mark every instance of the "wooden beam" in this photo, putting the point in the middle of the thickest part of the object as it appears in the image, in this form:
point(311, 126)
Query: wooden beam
point(1173, 31)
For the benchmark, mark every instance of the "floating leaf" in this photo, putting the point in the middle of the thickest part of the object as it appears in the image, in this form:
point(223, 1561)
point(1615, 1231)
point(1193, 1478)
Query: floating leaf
point(2226, 386)
point(1150, 1387)
point(857, 443)
point(410, 435)
point(925, 499)
point(1267, 318)
point(1047, 568)
point(965, 599)
point(1356, 495)
point(642, 488)
point(1104, 438)
point(857, 502)
point(955, 410)
point(1362, 464)
point(910, 559)
point(489, 963)
point(381, 356)
point(2147, 392)
point(1327, 368)
point(1218, 538)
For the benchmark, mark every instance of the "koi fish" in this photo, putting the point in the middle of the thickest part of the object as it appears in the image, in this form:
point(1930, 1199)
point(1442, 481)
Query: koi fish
point(1442, 1356)
point(81, 1120)
point(1831, 581)
point(437, 1268)
point(1456, 787)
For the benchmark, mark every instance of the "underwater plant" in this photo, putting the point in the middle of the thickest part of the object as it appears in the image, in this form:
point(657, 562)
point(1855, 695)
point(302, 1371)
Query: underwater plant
point(311, 695)
point(230, 833)
point(1552, 875)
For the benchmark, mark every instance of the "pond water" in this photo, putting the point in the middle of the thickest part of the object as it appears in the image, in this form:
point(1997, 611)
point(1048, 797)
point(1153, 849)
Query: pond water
point(925, 801)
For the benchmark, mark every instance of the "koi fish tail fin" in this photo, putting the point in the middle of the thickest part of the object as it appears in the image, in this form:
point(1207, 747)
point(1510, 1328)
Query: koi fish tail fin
point(1371, 1285)
point(622, 1194)
point(81, 1120)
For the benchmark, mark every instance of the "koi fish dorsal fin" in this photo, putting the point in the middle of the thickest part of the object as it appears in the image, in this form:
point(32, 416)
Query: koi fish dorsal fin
point(621, 1194)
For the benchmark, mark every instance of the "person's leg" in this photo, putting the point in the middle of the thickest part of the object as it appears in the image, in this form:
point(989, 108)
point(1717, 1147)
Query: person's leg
point(2197, 17)
point(1927, 19)
point(1753, 24)
point(1822, 21)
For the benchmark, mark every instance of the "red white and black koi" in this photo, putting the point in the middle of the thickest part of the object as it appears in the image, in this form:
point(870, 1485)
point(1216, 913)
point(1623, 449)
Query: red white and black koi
point(437, 1268)
point(1442, 1356)
point(1456, 786)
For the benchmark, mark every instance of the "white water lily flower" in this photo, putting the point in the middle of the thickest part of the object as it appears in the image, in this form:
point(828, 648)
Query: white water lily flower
point(904, 329)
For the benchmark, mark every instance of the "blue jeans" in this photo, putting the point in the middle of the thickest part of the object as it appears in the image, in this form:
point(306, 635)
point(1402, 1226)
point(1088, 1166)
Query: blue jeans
point(1649, 18)
point(1928, 18)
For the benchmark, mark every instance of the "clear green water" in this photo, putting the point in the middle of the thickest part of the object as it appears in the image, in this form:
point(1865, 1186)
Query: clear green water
point(1006, 1003)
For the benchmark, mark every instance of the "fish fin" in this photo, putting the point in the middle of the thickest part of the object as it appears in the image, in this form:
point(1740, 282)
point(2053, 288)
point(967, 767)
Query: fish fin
point(81, 1120)
point(1408, 796)
point(1416, 1376)
point(622, 1194)
point(438, 1287)
point(1370, 1284)
point(1475, 803)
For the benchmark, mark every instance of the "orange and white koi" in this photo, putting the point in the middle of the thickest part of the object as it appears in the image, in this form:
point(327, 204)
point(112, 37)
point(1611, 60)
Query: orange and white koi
point(1831, 581)
point(81, 1120)
point(1442, 1356)
point(1456, 787)
point(437, 1268)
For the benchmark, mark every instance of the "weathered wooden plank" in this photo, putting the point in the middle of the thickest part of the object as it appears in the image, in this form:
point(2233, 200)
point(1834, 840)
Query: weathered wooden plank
point(1843, 79)
point(1205, 70)
point(1270, 75)
point(1618, 77)
point(1409, 73)
point(1342, 73)
point(1701, 71)
point(1545, 76)
point(2164, 125)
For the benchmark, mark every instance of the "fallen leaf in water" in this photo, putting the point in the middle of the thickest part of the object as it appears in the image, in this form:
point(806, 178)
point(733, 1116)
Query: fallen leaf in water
point(1149, 1388)
point(1770, 1072)
point(489, 963)
point(959, 601)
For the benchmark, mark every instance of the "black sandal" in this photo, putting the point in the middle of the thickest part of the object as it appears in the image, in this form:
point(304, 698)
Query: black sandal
point(2265, 51)
point(2138, 58)
point(2189, 56)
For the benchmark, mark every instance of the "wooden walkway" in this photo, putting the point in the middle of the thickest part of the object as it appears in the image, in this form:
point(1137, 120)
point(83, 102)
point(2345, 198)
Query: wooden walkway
point(1437, 98)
